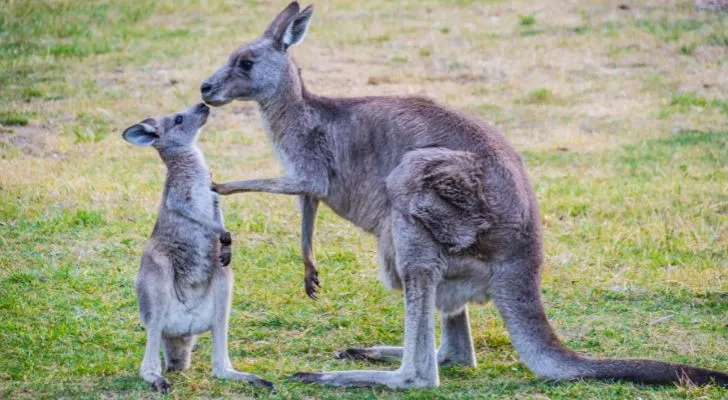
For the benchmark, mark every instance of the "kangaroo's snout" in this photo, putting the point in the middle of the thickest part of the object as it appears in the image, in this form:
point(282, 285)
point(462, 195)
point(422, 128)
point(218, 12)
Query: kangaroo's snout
point(205, 89)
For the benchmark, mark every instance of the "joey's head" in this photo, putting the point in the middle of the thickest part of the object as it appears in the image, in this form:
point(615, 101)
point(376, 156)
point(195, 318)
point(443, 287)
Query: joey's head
point(171, 133)
point(261, 70)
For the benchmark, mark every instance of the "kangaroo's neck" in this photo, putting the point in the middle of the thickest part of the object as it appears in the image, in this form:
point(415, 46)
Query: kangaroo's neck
point(287, 109)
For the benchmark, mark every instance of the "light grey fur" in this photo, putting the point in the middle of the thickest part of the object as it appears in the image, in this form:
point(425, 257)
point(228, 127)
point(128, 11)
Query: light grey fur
point(184, 287)
point(448, 198)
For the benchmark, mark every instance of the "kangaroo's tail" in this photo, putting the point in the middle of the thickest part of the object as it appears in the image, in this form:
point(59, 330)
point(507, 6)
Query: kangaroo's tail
point(516, 293)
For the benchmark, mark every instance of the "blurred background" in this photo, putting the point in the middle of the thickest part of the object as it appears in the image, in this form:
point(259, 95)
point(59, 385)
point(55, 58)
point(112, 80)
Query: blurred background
point(620, 110)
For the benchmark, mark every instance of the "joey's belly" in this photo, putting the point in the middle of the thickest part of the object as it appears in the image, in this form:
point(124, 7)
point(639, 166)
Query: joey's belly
point(182, 319)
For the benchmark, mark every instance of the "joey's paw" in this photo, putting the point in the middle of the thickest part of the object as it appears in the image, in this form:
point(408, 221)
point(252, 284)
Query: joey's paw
point(312, 284)
point(226, 239)
point(226, 255)
point(160, 385)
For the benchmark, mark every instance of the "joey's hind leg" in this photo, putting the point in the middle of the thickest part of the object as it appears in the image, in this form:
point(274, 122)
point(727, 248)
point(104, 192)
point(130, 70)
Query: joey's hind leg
point(456, 346)
point(152, 307)
point(178, 352)
point(221, 366)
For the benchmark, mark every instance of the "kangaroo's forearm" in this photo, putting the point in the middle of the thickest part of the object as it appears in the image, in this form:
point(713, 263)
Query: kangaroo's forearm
point(309, 209)
point(280, 185)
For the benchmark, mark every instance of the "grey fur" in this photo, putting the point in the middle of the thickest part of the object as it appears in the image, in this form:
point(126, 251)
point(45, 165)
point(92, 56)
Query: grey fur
point(183, 287)
point(448, 198)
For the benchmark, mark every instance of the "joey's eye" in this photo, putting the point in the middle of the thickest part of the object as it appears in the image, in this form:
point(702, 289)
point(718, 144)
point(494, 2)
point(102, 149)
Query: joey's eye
point(178, 120)
point(246, 65)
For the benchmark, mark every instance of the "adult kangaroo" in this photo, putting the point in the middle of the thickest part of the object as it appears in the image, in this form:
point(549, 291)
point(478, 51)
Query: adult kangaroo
point(447, 197)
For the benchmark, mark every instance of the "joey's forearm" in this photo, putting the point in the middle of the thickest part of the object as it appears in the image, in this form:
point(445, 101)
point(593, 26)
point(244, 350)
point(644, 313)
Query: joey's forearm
point(281, 185)
point(194, 216)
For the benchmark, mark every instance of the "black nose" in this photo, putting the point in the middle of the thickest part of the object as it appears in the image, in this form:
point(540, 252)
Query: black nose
point(206, 87)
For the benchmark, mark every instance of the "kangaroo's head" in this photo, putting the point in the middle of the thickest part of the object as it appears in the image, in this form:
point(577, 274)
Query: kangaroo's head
point(260, 70)
point(171, 133)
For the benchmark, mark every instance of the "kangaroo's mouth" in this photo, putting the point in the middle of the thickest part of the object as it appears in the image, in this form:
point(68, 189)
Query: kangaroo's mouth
point(215, 102)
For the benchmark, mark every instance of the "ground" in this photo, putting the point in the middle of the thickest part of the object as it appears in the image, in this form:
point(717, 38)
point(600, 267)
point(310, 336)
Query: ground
point(620, 113)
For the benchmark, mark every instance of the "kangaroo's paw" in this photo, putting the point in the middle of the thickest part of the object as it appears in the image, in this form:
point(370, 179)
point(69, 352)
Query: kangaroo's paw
point(312, 284)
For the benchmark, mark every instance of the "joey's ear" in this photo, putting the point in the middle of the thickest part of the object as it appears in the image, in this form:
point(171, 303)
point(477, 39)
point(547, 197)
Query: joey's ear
point(141, 134)
point(296, 30)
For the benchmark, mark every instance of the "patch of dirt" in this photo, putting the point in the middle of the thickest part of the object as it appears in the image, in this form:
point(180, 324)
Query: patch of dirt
point(31, 140)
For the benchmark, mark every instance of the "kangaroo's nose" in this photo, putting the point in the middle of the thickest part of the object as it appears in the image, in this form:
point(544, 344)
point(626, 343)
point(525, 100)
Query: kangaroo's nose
point(205, 88)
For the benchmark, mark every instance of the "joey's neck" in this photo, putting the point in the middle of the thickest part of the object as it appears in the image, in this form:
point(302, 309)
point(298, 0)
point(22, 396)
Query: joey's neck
point(186, 160)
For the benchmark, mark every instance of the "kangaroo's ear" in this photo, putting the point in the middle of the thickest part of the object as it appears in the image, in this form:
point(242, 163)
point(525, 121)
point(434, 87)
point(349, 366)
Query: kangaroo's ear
point(141, 134)
point(289, 27)
point(296, 30)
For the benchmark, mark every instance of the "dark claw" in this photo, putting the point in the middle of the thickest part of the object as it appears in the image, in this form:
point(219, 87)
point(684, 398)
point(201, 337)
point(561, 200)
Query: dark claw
point(226, 239)
point(225, 258)
point(350, 354)
point(305, 377)
point(161, 386)
point(312, 285)
point(262, 383)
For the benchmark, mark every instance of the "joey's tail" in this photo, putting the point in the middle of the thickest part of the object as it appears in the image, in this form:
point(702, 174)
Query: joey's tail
point(516, 293)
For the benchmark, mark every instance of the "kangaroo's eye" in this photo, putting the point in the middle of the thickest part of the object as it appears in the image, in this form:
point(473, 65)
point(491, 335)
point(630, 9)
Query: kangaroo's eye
point(246, 65)
point(178, 120)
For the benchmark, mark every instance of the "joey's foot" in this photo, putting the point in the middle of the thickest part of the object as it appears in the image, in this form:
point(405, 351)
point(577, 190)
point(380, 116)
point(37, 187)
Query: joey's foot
point(312, 284)
point(254, 380)
point(352, 354)
point(385, 354)
point(160, 385)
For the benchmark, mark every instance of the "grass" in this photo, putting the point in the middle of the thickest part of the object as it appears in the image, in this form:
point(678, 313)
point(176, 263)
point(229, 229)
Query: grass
point(635, 215)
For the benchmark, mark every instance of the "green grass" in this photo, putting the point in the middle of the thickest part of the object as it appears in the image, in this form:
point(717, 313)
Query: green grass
point(13, 117)
point(634, 216)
